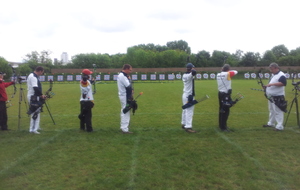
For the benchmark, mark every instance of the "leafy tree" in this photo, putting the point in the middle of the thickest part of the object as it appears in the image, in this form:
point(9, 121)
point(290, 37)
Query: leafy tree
point(236, 58)
point(118, 60)
point(103, 61)
point(268, 58)
point(5, 68)
point(202, 59)
point(280, 51)
point(81, 61)
point(179, 45)
point(24, 69)
point(250, 59)
point(35, 59)
point(295, 52)
point(218, 58)
point(88, 60)
point(174, 58)
point(238, 55)
point(289, 60)
point(152, 47)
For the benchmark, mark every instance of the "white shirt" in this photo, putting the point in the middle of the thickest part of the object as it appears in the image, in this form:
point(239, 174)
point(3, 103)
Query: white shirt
point(86, 89)
point(276, 90)
point(187, 79)
point(224, 80)
point(123, 82)
point(32, 81)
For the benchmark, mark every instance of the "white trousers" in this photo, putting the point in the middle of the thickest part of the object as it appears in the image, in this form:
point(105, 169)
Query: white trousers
point(125, 118)
point(187, 114)
point(34, 124)
point(276, 116)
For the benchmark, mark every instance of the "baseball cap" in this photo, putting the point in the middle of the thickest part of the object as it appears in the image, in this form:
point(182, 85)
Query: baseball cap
point(190, 65)
point(86, 72)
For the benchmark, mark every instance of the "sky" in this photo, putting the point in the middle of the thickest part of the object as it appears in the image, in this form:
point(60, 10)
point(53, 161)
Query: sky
point(111, 26)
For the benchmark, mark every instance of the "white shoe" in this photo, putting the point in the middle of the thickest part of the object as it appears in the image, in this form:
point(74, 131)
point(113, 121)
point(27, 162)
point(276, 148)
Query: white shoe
point(35, 132)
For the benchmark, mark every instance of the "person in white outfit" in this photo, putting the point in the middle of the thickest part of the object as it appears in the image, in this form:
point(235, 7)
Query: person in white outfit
point(224, 94)
point(125, 91)
point(35, 98)
point(188, 96)
point(275, 92)
point(86, 101)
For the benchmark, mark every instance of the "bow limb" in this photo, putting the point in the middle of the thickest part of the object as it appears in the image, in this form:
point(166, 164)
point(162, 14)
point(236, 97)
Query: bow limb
point(262, 85)
point(95, 80)
point(14, 80)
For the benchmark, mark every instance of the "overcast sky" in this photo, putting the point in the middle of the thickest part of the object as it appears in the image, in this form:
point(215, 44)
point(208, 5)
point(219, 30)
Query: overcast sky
point(111, 26)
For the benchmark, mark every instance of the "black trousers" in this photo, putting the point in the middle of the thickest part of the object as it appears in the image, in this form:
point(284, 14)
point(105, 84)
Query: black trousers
point(85, 115)
point(223, 110)
point(3, 115)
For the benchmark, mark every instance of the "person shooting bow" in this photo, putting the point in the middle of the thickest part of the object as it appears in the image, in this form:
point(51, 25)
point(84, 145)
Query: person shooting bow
point(3, 99)
point(188, 98)
point(224, 94)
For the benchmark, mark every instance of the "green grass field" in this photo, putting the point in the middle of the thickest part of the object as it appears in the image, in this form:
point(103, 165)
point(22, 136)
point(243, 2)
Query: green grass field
point(159, 155)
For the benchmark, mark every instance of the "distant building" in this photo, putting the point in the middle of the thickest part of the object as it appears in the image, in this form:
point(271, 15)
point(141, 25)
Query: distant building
point(64, 58)
point(15, 64)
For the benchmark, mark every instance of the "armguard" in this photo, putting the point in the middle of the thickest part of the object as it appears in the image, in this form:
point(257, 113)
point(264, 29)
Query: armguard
point(189, 104)
point(129, 92)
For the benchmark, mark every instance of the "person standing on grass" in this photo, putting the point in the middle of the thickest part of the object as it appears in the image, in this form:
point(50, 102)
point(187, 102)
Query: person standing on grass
point(3, 99)
point(224, 95)
point(35, 97)
point(188, 96)
point(86, 101)
point(275, 92)
point(125, 92)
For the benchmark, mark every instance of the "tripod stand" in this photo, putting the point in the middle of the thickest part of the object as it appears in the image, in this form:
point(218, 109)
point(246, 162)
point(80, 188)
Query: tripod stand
point(49, 112)
point(21, 97)
point(295, 100)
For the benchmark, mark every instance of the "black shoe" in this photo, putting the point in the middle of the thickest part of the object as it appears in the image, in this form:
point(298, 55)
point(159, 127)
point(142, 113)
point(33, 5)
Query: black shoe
point(267, 126)
point(230, 130)
point(190, 130)
point(225, 130)
point(127, 132)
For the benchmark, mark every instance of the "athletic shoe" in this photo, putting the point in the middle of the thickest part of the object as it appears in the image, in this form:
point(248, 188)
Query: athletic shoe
point(267, 126)
point(277, 129)
point(36, 132)
point(225, 130)
point(190, 130)
point(127, 132)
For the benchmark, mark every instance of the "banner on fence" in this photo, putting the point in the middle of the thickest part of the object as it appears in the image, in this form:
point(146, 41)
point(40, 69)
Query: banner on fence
point(143, 77)
point(161, 76)
point(153, 77)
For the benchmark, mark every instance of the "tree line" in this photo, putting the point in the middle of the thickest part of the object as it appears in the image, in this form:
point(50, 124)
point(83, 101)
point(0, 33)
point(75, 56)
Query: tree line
point(173, 54)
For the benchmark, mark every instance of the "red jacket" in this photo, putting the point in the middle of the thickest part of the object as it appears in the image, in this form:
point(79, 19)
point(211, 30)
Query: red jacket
point(3, 85)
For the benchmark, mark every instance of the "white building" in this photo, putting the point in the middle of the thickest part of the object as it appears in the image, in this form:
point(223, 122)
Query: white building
point(64, 58)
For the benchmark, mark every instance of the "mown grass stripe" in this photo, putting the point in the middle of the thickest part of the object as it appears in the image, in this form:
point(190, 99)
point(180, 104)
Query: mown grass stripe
point(252, 159)
point(29, 153)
